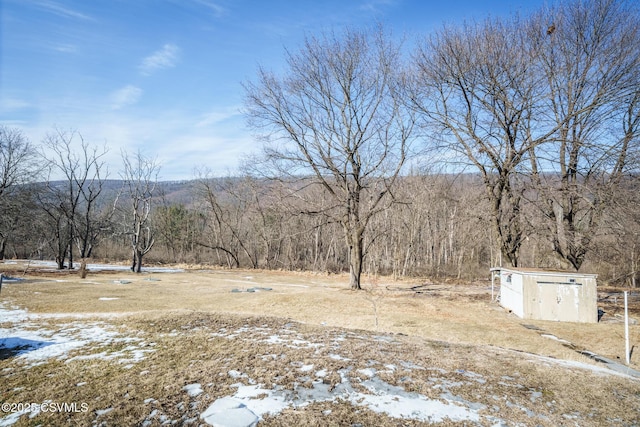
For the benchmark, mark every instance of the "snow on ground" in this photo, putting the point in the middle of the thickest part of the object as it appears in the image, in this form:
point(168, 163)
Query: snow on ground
point(247, 406)
point(32, 339)
point(625, 372)
point(193, 390)
point(109, 267)
point(250, 402)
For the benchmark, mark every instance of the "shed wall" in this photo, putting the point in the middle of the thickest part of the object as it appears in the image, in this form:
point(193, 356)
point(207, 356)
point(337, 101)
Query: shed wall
point(565, 297)
point(511, 292)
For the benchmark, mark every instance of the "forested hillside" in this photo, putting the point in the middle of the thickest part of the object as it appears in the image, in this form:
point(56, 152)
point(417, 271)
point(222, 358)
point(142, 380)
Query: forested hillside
point(440, 225)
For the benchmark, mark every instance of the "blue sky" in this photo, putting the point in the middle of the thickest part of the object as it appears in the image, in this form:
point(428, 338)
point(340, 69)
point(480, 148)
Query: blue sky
point(164, 76)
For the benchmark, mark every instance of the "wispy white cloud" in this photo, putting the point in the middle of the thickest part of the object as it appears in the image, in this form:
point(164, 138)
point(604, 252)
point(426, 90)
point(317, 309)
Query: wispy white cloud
point(166, 57)
point(218, 115)
point(218, 11)
point(375, 5)
point(65, 48)
point(60, 10)
point(127, 95)
point(171, 136)
point(8, 105)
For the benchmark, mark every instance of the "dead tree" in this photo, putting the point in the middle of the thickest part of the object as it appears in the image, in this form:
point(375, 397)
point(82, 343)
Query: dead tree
point(140, 178)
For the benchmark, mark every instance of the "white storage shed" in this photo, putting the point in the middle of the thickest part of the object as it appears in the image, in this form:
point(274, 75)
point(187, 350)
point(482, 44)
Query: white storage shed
point(548, 295)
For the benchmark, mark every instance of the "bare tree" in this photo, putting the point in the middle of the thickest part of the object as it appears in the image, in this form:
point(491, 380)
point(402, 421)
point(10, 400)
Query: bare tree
point(225, 231)
point(335, 121)
point(479, 92)
point(17, 167)
point(140, 176)
point(75, 178)
point(17, 159)
point(591, 63)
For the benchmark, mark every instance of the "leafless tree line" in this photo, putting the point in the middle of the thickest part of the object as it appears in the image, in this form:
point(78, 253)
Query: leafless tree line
point(531, 122)
point(546, 109)
point(53, 201)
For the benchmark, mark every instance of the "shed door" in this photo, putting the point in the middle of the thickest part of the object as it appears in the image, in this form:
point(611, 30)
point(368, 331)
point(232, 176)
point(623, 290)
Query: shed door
point(559, 301)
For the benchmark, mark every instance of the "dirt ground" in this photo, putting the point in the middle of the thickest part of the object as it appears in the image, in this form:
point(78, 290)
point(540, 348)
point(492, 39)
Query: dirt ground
point(428, 318)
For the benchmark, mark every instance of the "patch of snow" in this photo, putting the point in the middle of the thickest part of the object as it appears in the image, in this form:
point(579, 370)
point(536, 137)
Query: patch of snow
point(474, 376)
point(236, 374)
point(229, 412)
point(13, 315)
point(109, 267)
point(107, 298)
point(411, 365)
point(268, 357)
point(250, 402)
point(535, 395)
point(337, 357)
point(555, 338)
point(274, 339)
point(296, 343)
point(306, 368)
point(193, 390)
point(384, 338)
point(100, 412)
point(11, 419)
point(579, 365)
point(415, 407)
point(31, 342)
point(369, 372)
point(35, 348)
point(261, 401)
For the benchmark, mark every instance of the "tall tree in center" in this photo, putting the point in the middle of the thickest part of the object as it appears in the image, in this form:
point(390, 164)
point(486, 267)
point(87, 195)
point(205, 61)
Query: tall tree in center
point(334, 119)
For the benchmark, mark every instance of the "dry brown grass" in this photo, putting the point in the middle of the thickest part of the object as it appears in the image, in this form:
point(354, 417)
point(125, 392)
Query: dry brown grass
point(453, 332)
point(454, 313)
point(189, 350)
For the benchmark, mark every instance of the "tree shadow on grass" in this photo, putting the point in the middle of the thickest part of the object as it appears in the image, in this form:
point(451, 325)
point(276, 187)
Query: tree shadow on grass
point(15, 346)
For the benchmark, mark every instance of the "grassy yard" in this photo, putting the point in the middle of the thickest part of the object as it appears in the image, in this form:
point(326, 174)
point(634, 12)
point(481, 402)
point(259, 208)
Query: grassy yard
point(298, 349)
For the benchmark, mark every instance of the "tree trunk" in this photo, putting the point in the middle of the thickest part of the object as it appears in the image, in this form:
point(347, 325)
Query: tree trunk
point(137, 261)
point(70, 251)
point(356, 256)
point(83, 268)
point(355, 267)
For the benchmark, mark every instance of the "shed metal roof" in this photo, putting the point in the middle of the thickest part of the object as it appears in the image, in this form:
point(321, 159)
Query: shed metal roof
point(543, 272)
